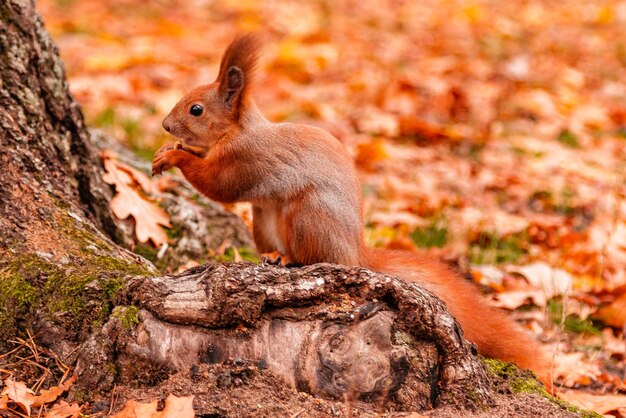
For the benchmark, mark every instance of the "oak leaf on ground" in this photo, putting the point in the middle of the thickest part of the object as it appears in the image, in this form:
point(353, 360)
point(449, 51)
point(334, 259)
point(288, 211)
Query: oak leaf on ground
point(175, 407)
point(602, 404)
point(574, 369)
point(19, 393)
point(614, 314)
point(129, 201)
point(50, 395)
point(4, 402)
point(63, 409)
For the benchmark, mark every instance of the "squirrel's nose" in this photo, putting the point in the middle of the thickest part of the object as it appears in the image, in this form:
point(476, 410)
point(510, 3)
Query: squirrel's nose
point(166, 125)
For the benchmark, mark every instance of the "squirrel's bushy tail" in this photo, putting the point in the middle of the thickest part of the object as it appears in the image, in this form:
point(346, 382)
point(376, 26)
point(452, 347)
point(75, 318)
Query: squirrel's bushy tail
point(494, 333)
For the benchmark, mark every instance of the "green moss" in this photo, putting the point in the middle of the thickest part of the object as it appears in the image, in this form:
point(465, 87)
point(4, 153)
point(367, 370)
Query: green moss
point(147, 251)
point(524, 382)
point(514, 377)
point(81, 237)
point(108, 264)
point(151, 254)
point(572, 322)
point(17, 294)
point(175, 232)
point(433, 235)
point(80, 396)
point(111, 286)
point(30, 283)
point(491, 248)
point(77, 292)
point(567, 138)
point(15, 287)
point(127, 315)
point(246, 254)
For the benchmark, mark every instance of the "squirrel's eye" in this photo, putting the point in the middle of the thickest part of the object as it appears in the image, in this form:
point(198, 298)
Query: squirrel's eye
point(196, 110)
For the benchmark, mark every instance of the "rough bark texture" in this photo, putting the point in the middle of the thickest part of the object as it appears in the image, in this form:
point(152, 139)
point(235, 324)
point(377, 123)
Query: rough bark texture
point(323, 329)
point(45, 153)
point(362, 341)
point(56, 225)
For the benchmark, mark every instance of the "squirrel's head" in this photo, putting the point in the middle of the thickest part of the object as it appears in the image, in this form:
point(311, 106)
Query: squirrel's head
point(208, 113)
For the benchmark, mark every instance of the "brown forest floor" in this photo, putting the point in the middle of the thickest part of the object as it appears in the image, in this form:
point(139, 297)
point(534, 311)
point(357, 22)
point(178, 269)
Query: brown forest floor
point(490, 133)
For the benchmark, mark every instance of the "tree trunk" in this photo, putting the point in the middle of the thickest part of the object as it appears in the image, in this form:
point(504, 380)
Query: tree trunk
point(241, 337)
point(57, 230)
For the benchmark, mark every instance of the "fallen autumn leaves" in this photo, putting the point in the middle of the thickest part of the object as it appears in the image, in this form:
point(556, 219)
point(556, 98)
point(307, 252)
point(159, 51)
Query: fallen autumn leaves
point(19, 394)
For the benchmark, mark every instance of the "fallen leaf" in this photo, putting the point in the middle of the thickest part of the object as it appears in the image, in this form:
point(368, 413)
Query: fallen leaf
point(602, 404)
point(370, 153)
point(50, 395)
point(63, 409)
point(177, 407)
point(142, 179)
point(4, 400)
point(552, 281)
point(544, 282)
point(134, 409)
point(412, 126)
point(19, 393)
point(615, 313)
point(146, 183)
point(376, 122)
point(575, 369)
point(128, 201)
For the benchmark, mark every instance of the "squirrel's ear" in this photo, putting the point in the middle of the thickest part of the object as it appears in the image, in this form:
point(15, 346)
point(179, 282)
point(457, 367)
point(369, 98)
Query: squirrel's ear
point(232, 87)
point(237, 71)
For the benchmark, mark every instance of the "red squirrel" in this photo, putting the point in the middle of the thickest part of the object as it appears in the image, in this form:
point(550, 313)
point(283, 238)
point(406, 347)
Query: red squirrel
point(305, 196)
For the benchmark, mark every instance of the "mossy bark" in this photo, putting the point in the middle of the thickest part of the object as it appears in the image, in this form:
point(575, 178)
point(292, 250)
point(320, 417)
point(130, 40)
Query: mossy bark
point(57, 242)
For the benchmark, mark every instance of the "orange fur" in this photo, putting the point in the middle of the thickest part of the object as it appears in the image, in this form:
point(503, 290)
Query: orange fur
point(306, 197)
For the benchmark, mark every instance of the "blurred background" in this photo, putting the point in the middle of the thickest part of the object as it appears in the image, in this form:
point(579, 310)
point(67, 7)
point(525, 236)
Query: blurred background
point(490, 133)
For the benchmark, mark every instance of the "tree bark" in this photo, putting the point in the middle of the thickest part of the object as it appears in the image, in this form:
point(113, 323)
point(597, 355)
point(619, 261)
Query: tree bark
point(57, 230)
point(332, 331)
point(239, 336)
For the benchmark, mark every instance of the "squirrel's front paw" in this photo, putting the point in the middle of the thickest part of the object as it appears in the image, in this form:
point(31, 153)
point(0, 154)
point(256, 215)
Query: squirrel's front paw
point(162, 160)
point(160, 164)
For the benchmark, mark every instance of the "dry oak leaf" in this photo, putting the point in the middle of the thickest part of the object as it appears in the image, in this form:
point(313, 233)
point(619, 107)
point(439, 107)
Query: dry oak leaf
point(134, 409)
point(544, 282)
point(615, 313)
point(175, 407)
point(574, 369)
point(50, 395)
point(371, 153)
point(19, 393)
point(602, 404)
point(129, 201)
point(64, 410)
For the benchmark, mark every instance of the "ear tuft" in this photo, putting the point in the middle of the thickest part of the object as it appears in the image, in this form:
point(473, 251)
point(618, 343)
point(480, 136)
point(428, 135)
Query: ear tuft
point(237, 70)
